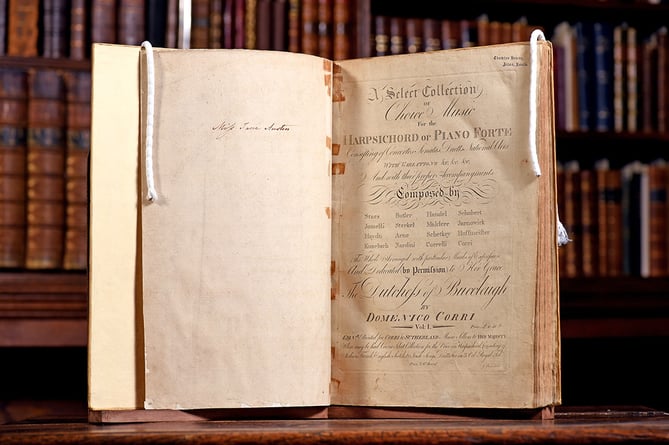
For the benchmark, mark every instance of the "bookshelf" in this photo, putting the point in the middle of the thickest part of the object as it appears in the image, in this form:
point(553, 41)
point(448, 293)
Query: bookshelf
point(48, 308)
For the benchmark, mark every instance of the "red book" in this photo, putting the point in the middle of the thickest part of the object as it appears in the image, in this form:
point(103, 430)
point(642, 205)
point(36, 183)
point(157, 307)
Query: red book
point(131, 14)
point(309, 27)
point(13, 129)
point(343, 32)
point(398, 35)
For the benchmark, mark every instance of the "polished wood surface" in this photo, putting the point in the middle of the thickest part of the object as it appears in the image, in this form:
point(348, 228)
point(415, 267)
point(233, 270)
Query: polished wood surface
point(574, 427)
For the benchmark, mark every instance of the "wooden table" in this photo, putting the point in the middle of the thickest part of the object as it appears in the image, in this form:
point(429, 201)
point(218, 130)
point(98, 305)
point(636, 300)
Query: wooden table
point(603, 426)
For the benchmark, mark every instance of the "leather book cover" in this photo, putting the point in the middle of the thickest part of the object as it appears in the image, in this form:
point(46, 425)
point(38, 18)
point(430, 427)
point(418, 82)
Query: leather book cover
point(325, 27)
point(55, 32)
point(343, 32)
point(103, 21)
point(13, 130)
point(22, 28)
point(45, 170)
point(199, 31)
point(79, 30)
point(131, 29)
point(309, 27)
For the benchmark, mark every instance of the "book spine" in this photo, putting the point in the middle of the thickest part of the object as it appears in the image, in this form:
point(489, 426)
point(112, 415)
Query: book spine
point(414, 30)
point(309, 27)
point(55, 23)
point(103, 21)
point(325, 27)
point(603, 58)
point(79, 39)
point(199, 31)
point(381, 35)
point(584, 68)
point(614, 223)
point(250, 24)
point(294, 25)
point(156, 22)
point(75, 256)
point(45, 170)
point(649, 85)
point(264, 24)
point(662, 109)
point(431, 35)
point(397, 31)
point(13, 140)
point(131, 28)
point(343, 32)
point(602, 227)
point(619, 78)
point(450, 34)
point(589, 224)
point(658, 242)
point(632, 78)
point(239, 19)
point(572, 220)
point(280, 25)
point(22, 28)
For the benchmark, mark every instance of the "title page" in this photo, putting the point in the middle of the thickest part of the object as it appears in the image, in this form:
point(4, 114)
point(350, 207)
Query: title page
point(236, 248)
point(435, 230)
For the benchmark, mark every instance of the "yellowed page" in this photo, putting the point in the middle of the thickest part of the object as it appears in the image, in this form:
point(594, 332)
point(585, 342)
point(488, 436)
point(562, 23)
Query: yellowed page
point(435, 230)
point(112, 345)
point(236, 248)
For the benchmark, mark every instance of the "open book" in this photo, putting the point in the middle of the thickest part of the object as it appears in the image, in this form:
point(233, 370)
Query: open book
point(371, 232)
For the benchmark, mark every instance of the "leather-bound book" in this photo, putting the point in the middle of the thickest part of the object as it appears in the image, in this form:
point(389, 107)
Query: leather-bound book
point(343, 32)
point(280, 25)
point(309, 27)
point(414, 29)
point(55, 33)
point(79, 30)
point(325, 25)
point(22, 27)
point(264, 24)
point(398, 35)
point(381, 35)
point(13, 130)
point(76, 170)
point(103, 21)
point(131, 29)
point(199, 31)
point(431, 35)
point(294, 25)
point(3, 27)
point(45, 170)
point(658, 218)
point(215, 33)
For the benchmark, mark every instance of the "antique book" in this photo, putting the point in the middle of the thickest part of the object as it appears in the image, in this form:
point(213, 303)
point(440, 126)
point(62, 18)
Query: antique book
point(75, 255)
point(55, 28)
point(22, 28)
point(372, 234)
point(45, 214)
point(13, 136)
point(131, 16)
point(103, 21)
point(79, 30)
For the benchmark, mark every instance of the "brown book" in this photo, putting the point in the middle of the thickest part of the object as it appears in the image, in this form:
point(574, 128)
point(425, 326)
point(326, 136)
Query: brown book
point(658, 219)
point(450, 34)
point(13, 131)
point(325, 28)
point(309, 27)
point(294, 26)
point(75, 256)
point(45, 170)
point(571, 217)
point(55, 33)
point(264, 21)
point(482, 30)
point(131, 15)
point(103, 21)
point(619, 78)
point(662, 109)
point(614, 222)
point(381, 35)
point(250, 24)
point(280, 25)
point(344, 31)
point(506, 32)
point(431, 35)
point(239, 34)
point(588, 224)
point(22, 28)
point(199, 31)
point(649, 88)
point(229, 24)
point(632, 77)
point(215, 36)
point(601, 230)
point(398, 35)
point(414, 30)
point(411, 272)
point(79, 28)
point(364, 35)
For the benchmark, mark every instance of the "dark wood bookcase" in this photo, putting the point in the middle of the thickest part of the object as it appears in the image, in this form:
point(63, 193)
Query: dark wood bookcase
point(615, 329)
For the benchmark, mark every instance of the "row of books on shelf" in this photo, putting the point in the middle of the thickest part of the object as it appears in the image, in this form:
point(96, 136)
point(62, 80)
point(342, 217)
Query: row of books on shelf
point(45, 117)
point(611, 78)
point(617, 219)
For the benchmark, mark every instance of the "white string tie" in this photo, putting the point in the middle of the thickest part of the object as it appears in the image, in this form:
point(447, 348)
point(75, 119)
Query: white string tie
point(537, 34)
point(152, 194)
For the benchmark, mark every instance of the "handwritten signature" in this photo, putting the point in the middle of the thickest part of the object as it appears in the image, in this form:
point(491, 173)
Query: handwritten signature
point(224, 128)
